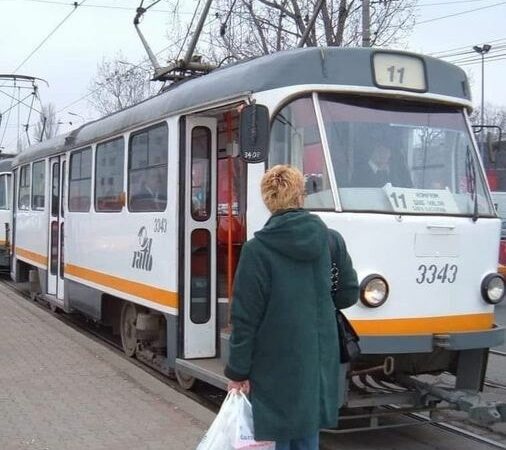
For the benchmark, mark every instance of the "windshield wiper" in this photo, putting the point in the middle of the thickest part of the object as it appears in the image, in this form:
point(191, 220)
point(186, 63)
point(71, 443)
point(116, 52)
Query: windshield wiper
point(471, 177)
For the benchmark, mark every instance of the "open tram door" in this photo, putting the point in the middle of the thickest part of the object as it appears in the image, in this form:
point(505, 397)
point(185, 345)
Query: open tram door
point(55, 282)
point(199, 319)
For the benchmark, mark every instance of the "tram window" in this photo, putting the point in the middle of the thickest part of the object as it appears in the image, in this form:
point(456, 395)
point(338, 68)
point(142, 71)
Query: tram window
point(403, 157)
point(201, 173)
point(55, 189)
point(200, 306)
point(295, 140)
point(3, 192)
point(109, 175)
point(38, 185)
point(24, 188)
point(63, 181)
point(147, 170)
point(80, 181)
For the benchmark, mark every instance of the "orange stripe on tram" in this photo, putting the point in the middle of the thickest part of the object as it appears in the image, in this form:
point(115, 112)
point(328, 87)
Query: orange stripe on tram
point(154, 294)
point(425, 325)
point(32, 256)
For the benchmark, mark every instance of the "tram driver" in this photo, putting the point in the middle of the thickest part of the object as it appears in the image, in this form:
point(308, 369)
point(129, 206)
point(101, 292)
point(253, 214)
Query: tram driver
point(382, 168)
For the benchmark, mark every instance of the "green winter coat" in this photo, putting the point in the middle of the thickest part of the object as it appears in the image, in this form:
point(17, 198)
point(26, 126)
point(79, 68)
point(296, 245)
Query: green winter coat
point(284, 337)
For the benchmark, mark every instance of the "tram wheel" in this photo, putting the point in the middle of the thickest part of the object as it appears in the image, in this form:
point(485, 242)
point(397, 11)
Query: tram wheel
point(127, 329)
point(185, 381)
point(54, 309)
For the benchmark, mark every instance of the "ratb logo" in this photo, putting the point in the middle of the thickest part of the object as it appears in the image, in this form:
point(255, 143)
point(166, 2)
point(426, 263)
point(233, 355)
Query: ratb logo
point(142, 258)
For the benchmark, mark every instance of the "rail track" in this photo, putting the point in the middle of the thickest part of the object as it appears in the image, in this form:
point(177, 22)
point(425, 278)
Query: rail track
point(211, 397)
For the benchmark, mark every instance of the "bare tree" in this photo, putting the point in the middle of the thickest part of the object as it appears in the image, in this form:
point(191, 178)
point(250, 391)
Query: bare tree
point(119, 84)
point(492, 114)
point(251, 28)
point(47, 126)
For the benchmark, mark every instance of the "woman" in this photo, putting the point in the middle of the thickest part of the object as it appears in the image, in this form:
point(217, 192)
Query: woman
point(284, 342)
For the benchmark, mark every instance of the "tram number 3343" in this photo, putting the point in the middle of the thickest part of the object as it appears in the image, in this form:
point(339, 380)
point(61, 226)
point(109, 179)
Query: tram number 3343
point(433, 273)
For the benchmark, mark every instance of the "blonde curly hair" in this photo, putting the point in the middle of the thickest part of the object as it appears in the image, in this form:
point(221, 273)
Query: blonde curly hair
point(282, 187)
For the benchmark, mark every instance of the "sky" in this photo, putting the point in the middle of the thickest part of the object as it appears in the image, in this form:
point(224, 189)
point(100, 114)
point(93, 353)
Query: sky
point(67, 58)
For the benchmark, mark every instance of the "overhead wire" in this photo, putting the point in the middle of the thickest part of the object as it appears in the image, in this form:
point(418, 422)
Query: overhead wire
point(188, 30)
point(19, 101)
point(500, 57)
point(7, 122)
point(450, 3)
point(12, 97)
point(112, 7)
point(143, 62)
point(136, 66)
point(440, 54)
point(470, 51)
point(491, 41)
point(460, 13)
point(76, 5)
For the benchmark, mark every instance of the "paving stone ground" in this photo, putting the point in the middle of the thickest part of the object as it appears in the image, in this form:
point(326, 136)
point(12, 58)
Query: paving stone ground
point(61, 390)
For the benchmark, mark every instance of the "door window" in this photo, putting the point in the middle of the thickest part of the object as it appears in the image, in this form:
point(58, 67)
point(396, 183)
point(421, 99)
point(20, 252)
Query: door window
point(38, 185)
point(200, 306)
point(24, 188)
point(201, 173)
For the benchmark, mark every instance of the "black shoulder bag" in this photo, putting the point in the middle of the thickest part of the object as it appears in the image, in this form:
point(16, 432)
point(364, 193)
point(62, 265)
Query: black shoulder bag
point(348, 339)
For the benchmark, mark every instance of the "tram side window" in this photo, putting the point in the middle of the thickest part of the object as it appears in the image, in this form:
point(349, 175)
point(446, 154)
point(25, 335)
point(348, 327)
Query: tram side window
point(147, 170)
point(38, 184)
point(295, 140)
point(80, 181)
point(109, 175)
point(24, 188)
point(4, 204)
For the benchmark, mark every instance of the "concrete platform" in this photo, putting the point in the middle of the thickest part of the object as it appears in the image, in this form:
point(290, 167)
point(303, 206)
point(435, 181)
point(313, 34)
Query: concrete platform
point(62, 390)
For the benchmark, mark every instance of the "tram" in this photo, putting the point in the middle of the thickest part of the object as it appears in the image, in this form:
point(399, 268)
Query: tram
point(137, 219)
point(5, 213)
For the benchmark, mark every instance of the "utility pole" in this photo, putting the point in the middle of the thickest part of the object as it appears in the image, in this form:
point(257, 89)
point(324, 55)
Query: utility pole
point(366, 23)
point(483, 50)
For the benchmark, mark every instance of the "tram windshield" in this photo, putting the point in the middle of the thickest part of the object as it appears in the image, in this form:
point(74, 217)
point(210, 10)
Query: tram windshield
point(387, 156)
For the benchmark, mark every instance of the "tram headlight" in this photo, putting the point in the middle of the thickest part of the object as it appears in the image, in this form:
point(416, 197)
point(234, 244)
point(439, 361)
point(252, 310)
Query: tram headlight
point(492, 288)
point(373, 291)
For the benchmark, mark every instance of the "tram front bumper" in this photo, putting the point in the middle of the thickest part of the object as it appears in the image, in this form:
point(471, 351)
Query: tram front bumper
point(427, 343)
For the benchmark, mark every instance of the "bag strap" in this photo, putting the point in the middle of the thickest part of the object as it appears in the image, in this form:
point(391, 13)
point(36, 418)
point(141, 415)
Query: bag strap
point(334, 263)
point(333, 249)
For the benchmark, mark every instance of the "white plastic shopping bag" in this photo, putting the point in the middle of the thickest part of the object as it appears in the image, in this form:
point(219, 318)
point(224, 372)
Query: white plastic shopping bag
point(244, 437)
point(219, 435)
point(232, 428)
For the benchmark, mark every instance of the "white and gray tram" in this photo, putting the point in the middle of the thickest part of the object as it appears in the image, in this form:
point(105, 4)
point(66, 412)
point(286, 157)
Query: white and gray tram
point(137, 219)
point(5, 213)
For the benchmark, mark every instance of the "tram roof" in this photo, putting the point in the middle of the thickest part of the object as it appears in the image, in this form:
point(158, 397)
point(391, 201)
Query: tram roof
point(313, 65)
point(5, 164)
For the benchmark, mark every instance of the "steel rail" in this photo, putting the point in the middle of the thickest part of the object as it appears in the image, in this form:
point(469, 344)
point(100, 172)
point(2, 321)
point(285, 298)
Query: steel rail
point(457, 430)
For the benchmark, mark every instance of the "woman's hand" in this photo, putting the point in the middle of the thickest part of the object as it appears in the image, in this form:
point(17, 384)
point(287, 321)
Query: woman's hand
point(239, 386)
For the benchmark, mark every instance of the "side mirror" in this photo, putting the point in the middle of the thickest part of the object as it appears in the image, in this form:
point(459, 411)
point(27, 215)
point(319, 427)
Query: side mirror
point(254, 133)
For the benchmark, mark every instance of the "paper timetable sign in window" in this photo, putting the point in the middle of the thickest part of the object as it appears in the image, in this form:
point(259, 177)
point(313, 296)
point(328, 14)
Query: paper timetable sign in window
point(399, 71)
point(432, 201)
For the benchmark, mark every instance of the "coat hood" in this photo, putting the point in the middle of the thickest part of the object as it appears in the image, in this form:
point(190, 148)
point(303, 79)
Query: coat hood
point(295, 233)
